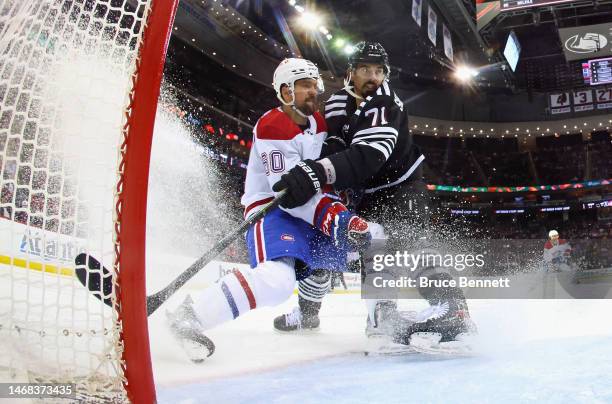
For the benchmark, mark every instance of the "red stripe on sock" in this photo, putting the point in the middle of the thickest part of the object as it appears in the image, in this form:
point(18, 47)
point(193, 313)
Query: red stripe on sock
point(247, 289)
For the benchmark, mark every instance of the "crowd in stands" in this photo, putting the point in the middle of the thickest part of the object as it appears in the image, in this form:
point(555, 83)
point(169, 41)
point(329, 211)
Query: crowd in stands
point(191, 71)
point(451, 161)
point(506, 169)
point(559, 165)
point(599, 153)
point(450, 167)
point(529, 226)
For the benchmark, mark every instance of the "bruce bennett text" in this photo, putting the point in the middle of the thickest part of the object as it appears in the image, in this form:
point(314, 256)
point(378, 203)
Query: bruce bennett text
point(424, 282)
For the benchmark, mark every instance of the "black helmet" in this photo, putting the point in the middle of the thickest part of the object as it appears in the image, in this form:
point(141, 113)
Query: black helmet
point(369, 52)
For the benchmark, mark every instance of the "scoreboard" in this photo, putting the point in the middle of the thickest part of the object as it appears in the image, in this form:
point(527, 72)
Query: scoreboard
point(506, 5)
point(600, 71)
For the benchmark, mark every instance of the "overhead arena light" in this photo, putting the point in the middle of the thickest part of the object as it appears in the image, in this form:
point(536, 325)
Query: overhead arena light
point(465, 73)
point(310, 21)
point(340, 42)
point(349, 49)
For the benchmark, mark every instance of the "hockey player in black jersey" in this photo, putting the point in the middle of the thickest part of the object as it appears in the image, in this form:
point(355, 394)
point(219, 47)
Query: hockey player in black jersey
point(370, 155)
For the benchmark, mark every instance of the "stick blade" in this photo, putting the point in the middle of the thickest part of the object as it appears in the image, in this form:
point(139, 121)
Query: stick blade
point(94, 277)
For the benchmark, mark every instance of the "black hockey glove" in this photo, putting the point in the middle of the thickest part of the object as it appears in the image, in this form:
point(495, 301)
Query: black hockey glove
point(302, 182)
point(332, 145)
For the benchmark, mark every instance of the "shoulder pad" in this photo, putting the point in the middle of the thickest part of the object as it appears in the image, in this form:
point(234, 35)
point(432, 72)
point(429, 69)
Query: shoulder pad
point(386, 91)
point(379, 100)
point(339, 96)
point(275, 125)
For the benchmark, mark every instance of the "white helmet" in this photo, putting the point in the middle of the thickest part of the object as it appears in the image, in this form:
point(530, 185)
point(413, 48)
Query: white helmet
point(553, 233)
point(291, 70)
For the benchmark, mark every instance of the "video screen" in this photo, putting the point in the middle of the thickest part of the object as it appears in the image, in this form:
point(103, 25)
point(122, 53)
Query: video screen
point(512, 50)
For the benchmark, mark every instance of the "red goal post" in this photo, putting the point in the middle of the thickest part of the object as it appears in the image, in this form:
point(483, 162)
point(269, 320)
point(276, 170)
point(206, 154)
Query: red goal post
point(131, 205)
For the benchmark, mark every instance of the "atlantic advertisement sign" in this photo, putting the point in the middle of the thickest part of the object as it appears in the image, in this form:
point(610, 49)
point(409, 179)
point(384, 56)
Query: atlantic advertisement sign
point(586, 42)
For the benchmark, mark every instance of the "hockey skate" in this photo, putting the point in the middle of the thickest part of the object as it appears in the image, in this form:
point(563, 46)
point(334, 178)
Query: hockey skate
point(380, 329)
point(296, 321)
point(439, 330)
point(382, 320)
point(187, 329)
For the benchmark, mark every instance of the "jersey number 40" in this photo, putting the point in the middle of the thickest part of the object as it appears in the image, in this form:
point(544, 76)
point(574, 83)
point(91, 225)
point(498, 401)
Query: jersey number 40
point(273, 162)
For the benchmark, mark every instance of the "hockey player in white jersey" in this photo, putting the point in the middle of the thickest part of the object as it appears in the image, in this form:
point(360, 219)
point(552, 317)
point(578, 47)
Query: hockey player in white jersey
point(557, 252)
point(290, 242)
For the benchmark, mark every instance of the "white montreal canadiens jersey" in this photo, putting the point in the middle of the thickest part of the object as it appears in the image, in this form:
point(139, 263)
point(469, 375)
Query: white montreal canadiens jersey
point(559, 250)
point(278, 145)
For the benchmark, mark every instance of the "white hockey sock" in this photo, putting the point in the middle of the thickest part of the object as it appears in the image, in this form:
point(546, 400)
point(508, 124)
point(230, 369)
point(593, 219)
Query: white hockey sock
point(315, 287)
point(268, 284)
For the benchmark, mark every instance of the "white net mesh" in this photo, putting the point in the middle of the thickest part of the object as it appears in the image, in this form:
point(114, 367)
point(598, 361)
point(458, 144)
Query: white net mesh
point(66, 72)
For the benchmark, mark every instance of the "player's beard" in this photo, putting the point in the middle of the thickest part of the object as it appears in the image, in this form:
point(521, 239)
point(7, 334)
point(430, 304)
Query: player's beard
point(308, 107)
point(368, 88)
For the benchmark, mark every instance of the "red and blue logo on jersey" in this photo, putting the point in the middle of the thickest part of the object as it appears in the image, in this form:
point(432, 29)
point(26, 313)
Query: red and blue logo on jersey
point(287, 237)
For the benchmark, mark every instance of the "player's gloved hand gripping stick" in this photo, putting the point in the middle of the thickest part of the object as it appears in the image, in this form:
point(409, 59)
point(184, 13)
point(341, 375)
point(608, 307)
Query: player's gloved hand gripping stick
point(301, 183)
point(99, 280)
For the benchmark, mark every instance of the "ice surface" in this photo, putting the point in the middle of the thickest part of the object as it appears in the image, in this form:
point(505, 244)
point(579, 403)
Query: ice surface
point(528, 351)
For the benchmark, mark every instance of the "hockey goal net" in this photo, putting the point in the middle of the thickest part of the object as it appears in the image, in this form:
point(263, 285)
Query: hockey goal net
point(79, 81)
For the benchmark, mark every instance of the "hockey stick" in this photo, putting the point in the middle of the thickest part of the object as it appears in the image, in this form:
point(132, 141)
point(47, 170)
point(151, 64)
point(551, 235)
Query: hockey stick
point(99, 280)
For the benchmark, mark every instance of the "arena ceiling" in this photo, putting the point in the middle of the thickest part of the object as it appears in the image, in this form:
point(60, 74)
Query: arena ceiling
point(542, 66)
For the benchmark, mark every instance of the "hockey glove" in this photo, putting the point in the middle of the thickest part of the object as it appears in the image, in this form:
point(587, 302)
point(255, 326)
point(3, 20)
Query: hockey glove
point(302, 182)
point(347, 230)
point(332, 145)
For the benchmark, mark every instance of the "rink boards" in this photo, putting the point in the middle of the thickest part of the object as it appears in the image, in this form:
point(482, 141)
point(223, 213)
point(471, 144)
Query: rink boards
point(35, 249)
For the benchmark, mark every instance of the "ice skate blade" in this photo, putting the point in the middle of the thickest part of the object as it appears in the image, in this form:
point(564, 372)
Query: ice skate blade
point(299, 331)
point(383, 346)
point(429, 343)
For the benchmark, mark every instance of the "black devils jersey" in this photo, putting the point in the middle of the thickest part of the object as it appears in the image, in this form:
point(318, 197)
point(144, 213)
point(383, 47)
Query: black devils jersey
point(369, 144)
